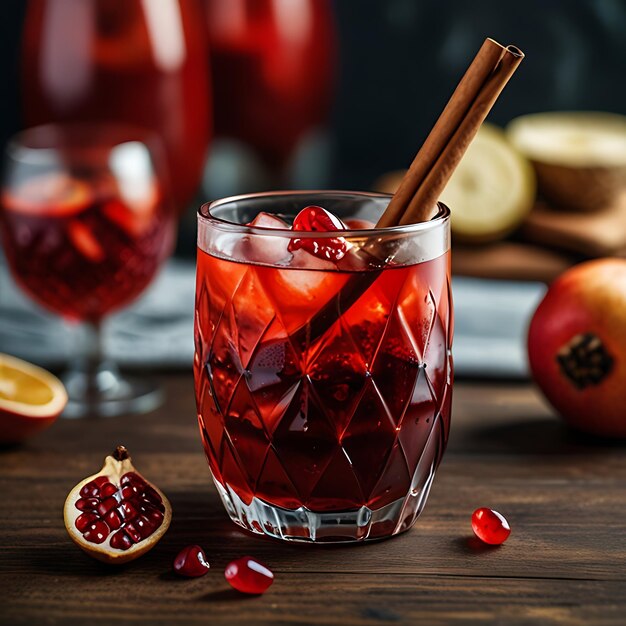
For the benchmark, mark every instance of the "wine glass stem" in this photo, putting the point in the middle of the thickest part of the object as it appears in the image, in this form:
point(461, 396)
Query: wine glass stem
point(92, 353)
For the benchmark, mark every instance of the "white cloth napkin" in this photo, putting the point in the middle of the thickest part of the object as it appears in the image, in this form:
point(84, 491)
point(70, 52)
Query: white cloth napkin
point(491, 318)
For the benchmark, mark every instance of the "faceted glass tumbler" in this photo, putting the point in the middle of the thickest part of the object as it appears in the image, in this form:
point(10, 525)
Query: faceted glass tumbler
point(323, 388)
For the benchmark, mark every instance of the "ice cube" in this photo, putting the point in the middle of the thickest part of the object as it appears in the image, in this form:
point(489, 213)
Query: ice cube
point(269, 249)
point(267, 220)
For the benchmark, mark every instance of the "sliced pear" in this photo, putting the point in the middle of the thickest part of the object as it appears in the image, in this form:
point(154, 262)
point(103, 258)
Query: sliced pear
point(579, 157)
point(491, 191)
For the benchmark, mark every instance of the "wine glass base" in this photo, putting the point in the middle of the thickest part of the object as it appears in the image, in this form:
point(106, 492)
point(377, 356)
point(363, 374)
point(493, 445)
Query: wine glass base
point(107, 394)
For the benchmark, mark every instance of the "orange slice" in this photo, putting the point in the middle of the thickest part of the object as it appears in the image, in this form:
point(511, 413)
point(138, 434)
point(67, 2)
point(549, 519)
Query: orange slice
point(31, 399)
point(85, 241)
point(49, 195)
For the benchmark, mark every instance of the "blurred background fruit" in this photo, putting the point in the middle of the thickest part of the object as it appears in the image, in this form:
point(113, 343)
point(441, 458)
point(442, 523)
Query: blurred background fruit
point(577, 346)
point(580, 157)
point(492, 190)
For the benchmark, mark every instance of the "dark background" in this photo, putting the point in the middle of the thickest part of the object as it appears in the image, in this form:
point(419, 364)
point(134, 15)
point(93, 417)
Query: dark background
point(400, 60)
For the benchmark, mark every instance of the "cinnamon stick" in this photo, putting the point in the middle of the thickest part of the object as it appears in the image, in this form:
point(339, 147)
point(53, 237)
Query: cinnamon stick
point(416, 197)
point(430, 171)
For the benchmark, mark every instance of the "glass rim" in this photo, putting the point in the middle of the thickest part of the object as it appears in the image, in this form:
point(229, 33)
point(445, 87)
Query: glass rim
point(110, 134)
point(206, 217)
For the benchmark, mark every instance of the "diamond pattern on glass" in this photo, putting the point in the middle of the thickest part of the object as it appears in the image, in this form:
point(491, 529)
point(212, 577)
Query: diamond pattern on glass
point(336, 423)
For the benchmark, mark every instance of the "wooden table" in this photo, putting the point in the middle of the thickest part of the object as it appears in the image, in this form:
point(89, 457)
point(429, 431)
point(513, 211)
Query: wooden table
point(565, 562)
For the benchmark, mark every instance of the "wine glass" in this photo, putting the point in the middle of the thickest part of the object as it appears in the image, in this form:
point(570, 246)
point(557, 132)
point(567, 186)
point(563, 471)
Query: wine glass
point(87, 221)
point(136, 61)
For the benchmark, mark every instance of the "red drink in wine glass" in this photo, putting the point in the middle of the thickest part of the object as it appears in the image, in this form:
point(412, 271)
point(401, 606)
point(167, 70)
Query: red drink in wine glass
point(79, 247)
point(86, 222)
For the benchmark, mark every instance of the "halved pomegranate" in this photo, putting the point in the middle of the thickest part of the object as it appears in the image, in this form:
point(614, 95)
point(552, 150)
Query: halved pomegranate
point(116, 515)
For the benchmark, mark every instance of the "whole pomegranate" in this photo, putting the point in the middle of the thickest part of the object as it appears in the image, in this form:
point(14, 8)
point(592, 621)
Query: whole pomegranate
point(577, 346)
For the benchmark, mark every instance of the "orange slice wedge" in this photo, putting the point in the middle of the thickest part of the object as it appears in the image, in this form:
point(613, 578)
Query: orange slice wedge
point(49, 195)
point(31, 399)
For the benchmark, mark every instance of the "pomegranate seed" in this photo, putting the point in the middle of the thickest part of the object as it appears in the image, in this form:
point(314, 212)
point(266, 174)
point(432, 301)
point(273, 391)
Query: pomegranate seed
point(106, 505)
point(143, 526)
point(134, 509)
point(84, 520)
point(108, 489)
point(490, 526)
point(133, 532)
point(129, 492)
point(113, 520)
point(121, 540)
point(96, 532)
point(317, 219)
point(248, 575)
point(152, 496)
point(127, 510)
point(90, 490)
point(126, 479)
point(131, 478)
point(191, 561)
point(86, 504)
point(155, 517)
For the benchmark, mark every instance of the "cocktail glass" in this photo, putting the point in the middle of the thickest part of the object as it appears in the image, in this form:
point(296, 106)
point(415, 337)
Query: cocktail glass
point(323, 389)
point(87, 221)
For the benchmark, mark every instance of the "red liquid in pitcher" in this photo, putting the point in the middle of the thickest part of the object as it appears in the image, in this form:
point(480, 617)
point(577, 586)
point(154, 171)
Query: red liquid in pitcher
point(79, 247)
point(272, 65)
point(141, 63)
point(334, 423)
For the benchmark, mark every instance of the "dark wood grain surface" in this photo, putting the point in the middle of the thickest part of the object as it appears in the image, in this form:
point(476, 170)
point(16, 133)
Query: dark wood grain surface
point(564, 495)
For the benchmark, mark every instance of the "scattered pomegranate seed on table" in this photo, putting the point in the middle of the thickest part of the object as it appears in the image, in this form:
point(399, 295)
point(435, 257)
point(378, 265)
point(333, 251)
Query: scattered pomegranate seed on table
point(191, 562)
point(490, 526)
point(248, 575)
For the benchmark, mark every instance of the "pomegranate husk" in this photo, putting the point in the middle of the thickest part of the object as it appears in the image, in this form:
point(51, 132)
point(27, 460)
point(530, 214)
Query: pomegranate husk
point(114, 469)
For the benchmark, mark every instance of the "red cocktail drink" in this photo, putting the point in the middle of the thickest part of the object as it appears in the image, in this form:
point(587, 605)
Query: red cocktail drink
point(86, 219)
point(133, 62)
point(79, 247)
point(272, 65)
point(323, 385)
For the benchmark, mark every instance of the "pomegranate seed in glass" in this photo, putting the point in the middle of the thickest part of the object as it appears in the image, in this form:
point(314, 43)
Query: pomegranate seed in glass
point(323, 374)
point(86, 221)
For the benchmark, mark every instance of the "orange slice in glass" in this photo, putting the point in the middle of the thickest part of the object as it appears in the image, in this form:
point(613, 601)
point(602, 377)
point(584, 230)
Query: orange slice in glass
point(49, 195)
